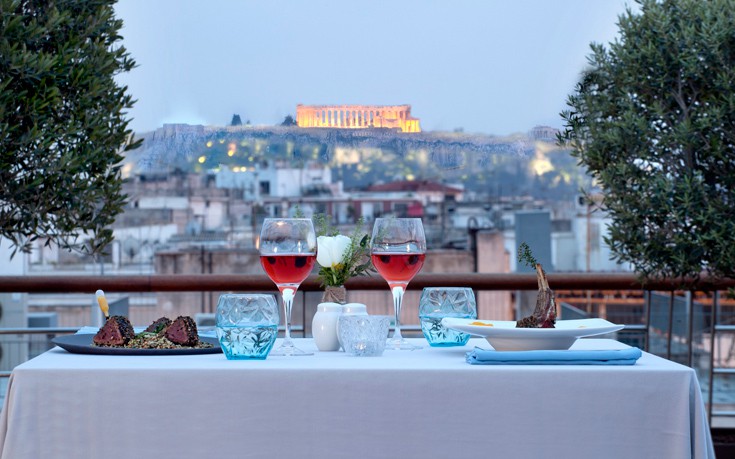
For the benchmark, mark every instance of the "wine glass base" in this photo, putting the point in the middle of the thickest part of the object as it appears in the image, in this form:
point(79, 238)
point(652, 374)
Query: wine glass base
point(400, 344)
point(289, 351)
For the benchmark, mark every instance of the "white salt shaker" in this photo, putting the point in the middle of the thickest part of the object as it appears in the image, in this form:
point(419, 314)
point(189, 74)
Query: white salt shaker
point(324, 326)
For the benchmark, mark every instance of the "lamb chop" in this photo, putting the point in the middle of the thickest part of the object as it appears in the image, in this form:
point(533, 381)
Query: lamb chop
point(544, 315)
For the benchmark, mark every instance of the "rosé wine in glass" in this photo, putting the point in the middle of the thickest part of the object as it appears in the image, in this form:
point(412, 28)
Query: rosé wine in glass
point(288, 269)
point(398, 268)
point(398, 251)
point(288, 253)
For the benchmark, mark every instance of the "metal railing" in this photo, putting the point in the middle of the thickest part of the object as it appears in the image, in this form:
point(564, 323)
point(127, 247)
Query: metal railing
point(238, 282)
point(24, 333)
point(476, 281)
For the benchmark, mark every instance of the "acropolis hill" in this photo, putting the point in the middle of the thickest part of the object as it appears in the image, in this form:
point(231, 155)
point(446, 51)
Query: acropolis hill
point(366, 155)
point(173, 143)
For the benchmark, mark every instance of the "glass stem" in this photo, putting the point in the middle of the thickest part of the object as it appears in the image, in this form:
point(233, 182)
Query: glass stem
point(397, 301)
point(288, 294)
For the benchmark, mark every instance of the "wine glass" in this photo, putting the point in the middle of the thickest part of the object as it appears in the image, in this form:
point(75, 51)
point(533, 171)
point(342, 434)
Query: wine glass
point(287, 254)
point(398, 249)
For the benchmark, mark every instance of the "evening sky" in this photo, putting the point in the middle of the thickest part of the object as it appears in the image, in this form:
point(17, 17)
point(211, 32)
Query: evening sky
point(495, 67)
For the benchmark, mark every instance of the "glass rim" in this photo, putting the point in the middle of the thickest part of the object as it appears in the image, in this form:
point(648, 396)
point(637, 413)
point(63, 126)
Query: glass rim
point(399, 218)
point(248, 295)
point(287, 218)
point(370, 317)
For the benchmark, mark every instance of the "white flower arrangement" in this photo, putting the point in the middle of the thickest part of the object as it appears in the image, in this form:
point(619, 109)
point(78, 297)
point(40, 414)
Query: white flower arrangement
point(341, 257)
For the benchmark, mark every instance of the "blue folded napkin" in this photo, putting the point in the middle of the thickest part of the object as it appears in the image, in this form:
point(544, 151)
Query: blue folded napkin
point(602, 357)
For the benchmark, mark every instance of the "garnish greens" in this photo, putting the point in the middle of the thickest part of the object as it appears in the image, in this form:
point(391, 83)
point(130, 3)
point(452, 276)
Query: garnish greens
point(525, 255)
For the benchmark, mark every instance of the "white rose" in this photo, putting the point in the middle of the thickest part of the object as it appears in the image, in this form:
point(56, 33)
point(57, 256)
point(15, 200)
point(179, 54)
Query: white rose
point(331, 250)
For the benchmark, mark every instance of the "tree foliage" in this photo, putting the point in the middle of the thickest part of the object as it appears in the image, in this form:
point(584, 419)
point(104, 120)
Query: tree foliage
point(653, 120)
point(62, 122)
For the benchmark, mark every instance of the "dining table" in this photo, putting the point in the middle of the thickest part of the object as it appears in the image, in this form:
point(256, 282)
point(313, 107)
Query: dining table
point(426, 403)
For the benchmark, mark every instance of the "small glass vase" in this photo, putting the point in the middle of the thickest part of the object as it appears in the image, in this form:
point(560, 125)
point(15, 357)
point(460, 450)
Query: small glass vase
point(334, 294)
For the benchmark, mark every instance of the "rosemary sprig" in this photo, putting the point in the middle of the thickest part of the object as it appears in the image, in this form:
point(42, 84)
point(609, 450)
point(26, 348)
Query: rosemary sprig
point(525, 256)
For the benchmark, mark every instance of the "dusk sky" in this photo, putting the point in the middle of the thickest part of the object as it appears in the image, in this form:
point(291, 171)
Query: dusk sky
point(494, 67)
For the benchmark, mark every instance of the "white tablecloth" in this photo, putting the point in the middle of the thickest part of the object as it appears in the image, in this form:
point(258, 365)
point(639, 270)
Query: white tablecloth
point(406, 404)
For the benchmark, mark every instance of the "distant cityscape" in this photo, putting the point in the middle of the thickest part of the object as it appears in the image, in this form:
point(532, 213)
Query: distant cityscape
point(198, 194)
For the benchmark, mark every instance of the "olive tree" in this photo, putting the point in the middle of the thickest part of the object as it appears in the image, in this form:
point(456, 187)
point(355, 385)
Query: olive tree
point(653, 121)
point(62, 122)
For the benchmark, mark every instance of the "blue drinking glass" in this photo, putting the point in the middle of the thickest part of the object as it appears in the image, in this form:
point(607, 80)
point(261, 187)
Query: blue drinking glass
point(247, 325)
point(437, 303)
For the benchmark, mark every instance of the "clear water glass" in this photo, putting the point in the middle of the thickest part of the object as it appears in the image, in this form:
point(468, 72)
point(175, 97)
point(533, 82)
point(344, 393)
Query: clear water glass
point(247, 325)
point(437, 303)
point(364, 336)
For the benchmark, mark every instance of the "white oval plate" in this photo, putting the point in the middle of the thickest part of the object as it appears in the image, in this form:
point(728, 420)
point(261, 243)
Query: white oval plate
point(504, 336)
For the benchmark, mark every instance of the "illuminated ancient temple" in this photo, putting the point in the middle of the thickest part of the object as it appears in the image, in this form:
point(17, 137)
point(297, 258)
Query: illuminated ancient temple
point(357, 117)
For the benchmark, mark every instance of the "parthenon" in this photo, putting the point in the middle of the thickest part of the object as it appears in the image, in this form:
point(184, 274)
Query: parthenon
point(357, 117)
